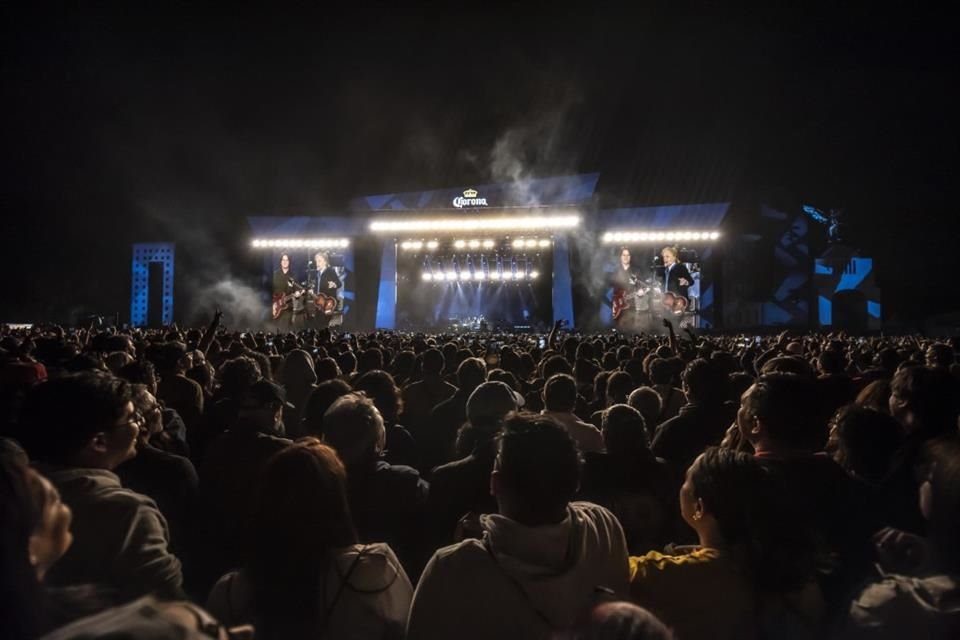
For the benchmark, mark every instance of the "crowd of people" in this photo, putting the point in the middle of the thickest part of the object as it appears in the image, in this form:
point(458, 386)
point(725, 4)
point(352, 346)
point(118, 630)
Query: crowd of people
point(204, 482)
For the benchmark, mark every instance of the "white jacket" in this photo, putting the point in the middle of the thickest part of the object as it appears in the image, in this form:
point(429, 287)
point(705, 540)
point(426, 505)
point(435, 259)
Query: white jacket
point(521, 582)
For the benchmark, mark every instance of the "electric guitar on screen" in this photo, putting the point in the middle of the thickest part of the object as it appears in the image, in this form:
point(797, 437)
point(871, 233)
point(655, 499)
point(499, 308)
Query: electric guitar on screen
point(283, 302)
point(622, 299)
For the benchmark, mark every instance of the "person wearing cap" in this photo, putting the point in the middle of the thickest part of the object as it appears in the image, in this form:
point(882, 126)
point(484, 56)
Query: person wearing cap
point(230, 469)
point(463, 486)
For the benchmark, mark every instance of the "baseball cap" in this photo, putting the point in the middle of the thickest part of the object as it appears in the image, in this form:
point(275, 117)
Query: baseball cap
point(492, 400)
point(263, 393)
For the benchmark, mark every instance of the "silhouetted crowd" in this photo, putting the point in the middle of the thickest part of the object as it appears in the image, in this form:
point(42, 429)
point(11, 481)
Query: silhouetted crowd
point(169, 483)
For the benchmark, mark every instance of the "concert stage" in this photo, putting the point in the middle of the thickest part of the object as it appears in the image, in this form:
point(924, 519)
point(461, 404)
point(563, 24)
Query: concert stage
point(512, 256)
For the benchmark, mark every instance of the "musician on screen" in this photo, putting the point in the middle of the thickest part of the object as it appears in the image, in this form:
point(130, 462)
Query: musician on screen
point(676, 281)
point(287, 294)
point(625, 279)
point(676, 276)
point(325, 284)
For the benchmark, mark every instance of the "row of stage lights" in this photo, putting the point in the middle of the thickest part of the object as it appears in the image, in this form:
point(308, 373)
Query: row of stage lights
point(300, 243)
point(610, 237)
point(615, 237)
point(481, 224)
point(433, 245)
point(478, 276)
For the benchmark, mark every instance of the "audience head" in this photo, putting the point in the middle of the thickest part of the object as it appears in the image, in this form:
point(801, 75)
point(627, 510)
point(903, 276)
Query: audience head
point(490, 403)
point(301, 516)
point(320, 399)
point(150, 411)
point(648, 402)
point(624, 431)
point(620, 621)
point(556, 364)
point(619, 386)
point(237, 375)
point(354, 428)
point(560, 393)
point(779, 412)
point(924, 400)
point(34, 535)
point(297, 370)
point(433, 362)
point(728, 498)
point(370, 359)
point(470, 374)
point(940, 354)
point(703, 383)
point(261, 408)
point(81, 420)
point(864, 442)
point(379, 386)
point(875, 395)
point(661, 371)
point(537, 470)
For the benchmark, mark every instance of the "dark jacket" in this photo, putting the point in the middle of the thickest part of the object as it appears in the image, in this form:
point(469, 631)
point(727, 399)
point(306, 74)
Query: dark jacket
point(682, 438)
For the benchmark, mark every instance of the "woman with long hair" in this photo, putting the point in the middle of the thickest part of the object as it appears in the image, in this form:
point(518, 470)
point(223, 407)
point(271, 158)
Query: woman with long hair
point(305, 575)
point(753, 570)
point(378, 385)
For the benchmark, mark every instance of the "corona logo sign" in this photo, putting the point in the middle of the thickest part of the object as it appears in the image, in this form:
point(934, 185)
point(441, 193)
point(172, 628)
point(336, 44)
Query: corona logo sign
point(469, 199)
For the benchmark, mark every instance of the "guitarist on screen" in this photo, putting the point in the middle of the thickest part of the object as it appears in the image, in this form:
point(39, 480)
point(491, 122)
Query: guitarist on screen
point(625, 280)
point(325, 284)
point(287, 295)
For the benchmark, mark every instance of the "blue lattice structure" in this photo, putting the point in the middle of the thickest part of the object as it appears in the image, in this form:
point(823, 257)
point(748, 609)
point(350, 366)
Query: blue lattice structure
point(143, 255)
point(848, 296)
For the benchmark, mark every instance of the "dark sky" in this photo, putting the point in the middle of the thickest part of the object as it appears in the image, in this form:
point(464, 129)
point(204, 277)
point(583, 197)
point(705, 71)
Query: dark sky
point(129, 125)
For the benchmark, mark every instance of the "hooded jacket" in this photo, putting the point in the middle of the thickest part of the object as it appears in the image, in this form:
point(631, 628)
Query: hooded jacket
point(373, 601)
point(120, 538)
point(519, 581)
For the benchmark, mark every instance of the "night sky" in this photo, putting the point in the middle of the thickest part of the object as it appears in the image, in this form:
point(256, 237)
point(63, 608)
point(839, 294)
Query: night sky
point(129, 125)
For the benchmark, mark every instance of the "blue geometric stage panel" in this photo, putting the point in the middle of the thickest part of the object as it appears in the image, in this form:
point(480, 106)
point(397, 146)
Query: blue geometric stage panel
point(143, 255)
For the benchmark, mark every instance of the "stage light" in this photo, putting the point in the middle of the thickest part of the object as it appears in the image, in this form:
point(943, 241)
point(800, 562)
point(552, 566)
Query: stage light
point(683, 235)
point(488, 244)
point(530, 244)
point(475, 223)
point(459, 244)
point(543, 244)
point(479, 275)
point(494, 275)
point(299, 243)
point(534, 275)
point(466, 275)
point(451, 275)
point(432, 245)
point(427, 276)
point(474, 244)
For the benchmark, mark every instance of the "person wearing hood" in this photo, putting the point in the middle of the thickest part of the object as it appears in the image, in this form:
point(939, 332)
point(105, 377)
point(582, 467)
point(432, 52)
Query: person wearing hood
point(543, 561)
point(306, 573)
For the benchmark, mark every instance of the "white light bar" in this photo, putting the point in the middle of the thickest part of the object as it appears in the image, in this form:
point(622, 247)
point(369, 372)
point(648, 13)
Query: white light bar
point(434, 225)
point(300, 243)
point(618, 237)
point(477, 276)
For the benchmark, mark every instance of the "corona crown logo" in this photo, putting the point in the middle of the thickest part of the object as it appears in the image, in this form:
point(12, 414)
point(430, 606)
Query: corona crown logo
point(469, 199)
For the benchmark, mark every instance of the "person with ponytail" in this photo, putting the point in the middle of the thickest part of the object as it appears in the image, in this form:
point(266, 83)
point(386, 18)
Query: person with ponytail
point(753, 569)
